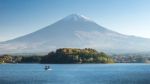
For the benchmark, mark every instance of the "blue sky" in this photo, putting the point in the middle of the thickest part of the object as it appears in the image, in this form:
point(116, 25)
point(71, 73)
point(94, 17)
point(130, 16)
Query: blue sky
point(20, 17)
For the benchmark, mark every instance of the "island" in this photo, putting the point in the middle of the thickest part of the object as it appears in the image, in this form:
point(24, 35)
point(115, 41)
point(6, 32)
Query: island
point(62, 56)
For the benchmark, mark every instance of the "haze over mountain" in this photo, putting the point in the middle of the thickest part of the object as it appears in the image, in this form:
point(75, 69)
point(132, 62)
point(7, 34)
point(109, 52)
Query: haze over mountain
point(75, 31)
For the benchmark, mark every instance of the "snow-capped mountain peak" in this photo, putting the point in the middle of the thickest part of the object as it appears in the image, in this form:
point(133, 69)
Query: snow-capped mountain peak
point(75, 31)
point(76, 17)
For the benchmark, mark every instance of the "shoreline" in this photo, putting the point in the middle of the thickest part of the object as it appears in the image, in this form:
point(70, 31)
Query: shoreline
point(73, 63)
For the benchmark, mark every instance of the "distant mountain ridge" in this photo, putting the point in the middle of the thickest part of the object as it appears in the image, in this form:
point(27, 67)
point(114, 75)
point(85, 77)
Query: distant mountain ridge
point(75, 31)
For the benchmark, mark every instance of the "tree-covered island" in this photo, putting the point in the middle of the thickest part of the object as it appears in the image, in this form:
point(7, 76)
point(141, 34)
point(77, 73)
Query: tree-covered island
point(62, 55)
point(73, 55)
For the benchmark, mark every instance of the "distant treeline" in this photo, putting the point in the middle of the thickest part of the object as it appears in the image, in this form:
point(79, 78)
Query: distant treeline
point(63, 55)
point(132, 58)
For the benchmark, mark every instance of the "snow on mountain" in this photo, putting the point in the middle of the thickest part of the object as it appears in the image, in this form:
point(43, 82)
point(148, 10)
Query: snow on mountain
point(75, 31)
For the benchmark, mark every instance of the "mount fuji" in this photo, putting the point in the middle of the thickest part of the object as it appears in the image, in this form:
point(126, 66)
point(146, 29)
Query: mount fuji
point(75, 31)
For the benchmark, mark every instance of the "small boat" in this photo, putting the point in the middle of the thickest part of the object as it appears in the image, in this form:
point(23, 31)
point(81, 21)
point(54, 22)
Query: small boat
point(47, 68)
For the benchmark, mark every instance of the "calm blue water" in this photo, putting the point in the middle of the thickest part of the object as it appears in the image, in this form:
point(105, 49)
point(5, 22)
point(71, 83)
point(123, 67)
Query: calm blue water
point(75, 74)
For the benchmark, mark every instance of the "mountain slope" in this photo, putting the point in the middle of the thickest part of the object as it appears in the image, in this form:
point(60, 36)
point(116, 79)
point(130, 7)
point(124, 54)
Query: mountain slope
point(75, 31)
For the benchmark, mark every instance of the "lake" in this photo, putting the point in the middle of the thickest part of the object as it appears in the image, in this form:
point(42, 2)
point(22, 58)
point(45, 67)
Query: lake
point(75, 74)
